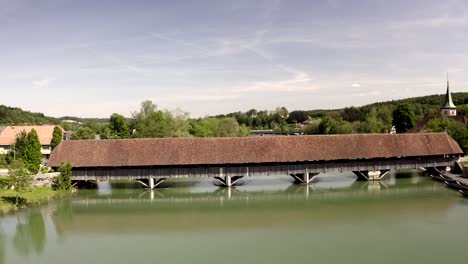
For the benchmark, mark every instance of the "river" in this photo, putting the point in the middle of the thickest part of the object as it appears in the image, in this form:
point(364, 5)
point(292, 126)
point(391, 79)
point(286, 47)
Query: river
point(405, 218)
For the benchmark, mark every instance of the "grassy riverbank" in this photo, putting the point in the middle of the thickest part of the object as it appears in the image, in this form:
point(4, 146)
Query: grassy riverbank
point(29, 198)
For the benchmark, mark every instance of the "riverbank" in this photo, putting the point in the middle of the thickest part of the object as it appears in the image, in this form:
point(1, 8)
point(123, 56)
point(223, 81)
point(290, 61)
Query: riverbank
point(30, 198)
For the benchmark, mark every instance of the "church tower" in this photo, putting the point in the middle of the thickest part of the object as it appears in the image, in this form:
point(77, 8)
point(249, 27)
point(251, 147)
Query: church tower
point(448, 109)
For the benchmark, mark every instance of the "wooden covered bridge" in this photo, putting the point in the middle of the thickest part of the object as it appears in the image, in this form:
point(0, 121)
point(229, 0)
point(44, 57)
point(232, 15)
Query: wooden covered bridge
point(370, 156)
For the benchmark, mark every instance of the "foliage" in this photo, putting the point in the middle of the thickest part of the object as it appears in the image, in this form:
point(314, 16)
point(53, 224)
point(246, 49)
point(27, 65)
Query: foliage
point(5, 182)
point(28, 149)
point(261, 119)
point(20, 177)
point(118, 126)
point(63, 180)
point(150, 122)
point(3, 161)
point(297, 117)
point(57, 137)
point(44, 170)
point(17, 116)
point(83, 133)
point(33, 156)
point(373, 124)
point(403, 118)
point(218, 127)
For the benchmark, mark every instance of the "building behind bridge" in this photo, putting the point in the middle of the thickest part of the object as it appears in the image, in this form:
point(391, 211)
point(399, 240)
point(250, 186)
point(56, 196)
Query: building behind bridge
point(8, 136)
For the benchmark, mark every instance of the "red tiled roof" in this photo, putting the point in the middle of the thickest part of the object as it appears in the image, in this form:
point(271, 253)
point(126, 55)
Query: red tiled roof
point(240, 150)
point(8, 135)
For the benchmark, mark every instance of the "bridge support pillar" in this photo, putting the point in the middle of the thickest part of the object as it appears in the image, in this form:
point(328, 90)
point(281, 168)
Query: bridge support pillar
point(152, 182)
point(304, 178)
point(228, 181)
point(376, 175)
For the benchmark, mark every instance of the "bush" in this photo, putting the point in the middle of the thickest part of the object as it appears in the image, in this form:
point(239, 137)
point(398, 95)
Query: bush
point(44, 170)
point(5, 182)
point(3, 161)
point(63, 180)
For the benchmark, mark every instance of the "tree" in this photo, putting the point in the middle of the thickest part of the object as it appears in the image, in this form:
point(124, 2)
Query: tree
point(57, 137)
point(403, 118)
point(33, 155)
point(83, 133)
point(118, 126)
point(298, 116)
point(63, 180)
point(28, 149)
point(19, 147)
point(327, 126)
point(372, 123)
point(150, 122)
point(20, 177)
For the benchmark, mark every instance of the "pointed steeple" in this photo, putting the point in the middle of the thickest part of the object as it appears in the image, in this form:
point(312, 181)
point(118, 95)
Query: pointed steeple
point(448, 97)
point(449, 108)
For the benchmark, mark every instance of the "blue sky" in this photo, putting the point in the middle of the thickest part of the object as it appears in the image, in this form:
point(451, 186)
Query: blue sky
point(93, 58)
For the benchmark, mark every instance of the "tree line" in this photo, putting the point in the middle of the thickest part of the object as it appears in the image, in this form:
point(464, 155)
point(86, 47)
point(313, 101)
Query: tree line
point(151, 122)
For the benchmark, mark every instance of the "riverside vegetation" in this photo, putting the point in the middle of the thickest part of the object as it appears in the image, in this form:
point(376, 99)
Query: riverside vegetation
point(22, 162)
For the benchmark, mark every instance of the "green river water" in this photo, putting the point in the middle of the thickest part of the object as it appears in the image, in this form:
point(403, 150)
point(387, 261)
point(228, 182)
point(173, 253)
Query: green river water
point(405, 218)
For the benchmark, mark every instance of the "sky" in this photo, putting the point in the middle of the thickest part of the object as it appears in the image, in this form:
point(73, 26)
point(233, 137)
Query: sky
point(93, 58)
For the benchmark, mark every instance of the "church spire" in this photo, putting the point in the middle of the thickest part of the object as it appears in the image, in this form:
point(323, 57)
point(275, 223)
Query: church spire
point(449, 108)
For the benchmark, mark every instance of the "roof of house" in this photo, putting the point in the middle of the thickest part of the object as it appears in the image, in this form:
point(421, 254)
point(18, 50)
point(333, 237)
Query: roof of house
point(241, 150)
point(8, 135)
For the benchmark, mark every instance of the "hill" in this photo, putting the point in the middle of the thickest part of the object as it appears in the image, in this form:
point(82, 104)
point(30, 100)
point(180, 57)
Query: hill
point(17, 116)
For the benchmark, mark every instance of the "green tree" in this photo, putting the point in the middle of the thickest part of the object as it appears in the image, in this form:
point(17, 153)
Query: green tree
point(19, 148)
point(118, 126)
point(33, 156)
point(403, 118)
point(372, 124)
point(83, 133)
point(63, 180)
point(178, 121)
point(150, 122)
point(57, 137)
point(28, 149)
point(20, 177)
point(327, 126)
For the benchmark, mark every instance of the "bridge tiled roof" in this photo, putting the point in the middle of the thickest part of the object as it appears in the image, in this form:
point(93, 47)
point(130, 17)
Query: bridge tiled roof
point(242, 150)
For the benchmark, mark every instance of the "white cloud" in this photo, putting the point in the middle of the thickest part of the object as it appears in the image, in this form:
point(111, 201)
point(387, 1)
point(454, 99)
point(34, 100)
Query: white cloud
point(43, 83)
point(356, 85)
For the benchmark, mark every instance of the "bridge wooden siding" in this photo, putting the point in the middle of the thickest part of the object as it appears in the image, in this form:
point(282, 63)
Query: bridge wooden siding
point(255, 170)
point(249, 156)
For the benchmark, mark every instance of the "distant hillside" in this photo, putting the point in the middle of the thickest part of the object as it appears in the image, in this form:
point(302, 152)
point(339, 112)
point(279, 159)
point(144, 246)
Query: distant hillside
point(17, 116)
point(423, 105)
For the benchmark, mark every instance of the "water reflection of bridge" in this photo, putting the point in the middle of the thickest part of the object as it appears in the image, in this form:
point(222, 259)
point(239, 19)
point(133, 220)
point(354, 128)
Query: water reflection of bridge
point(226, 208)
point(369, 156)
